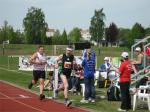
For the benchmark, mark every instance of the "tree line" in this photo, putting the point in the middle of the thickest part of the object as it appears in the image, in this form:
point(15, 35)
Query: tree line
point(35, 28)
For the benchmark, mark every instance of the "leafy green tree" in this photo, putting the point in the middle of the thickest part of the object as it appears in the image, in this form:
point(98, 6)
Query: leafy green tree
point(74, 35)
point(123, 36)
point(64, 37)
point(35, 26)
point(97, 25)
point(112, 33)
point(7, 33)
point(137, 32)
point(56, 38)
point(4, 32)
point(18, 38)
point(147, 31)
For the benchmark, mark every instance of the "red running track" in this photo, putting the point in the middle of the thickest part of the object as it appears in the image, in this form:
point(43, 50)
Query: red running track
point(15, 99)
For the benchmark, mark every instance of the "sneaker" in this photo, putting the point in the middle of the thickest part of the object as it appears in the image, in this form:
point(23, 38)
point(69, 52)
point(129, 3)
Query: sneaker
point(42, 96)
point(84, 101)
point(90, 99)
point(30, 86)
point(122, 110)
point(93, 100)
point(68, 103)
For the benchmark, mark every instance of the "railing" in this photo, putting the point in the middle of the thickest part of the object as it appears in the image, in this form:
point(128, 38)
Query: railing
point(132, 47)
point(136, 76)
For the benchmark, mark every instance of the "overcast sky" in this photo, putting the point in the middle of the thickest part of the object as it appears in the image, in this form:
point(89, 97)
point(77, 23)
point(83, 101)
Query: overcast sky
point(66, 14)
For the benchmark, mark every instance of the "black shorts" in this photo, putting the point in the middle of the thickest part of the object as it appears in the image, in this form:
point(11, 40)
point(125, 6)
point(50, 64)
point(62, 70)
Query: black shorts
point(67, 74)
point(38, 74)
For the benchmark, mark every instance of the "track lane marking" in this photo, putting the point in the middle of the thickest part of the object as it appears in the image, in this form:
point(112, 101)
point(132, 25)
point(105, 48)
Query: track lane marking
point(22, 103)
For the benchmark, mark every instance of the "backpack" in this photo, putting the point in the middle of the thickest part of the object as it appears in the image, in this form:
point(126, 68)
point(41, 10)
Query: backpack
point(113, 93)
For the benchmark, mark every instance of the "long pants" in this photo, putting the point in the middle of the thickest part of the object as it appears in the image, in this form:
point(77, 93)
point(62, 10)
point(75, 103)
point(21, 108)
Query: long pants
point(89, 88)
point(125, 95)
point(76, 83)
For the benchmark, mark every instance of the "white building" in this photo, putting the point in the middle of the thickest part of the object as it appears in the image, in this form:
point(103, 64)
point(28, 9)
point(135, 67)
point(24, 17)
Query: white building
point(50, 33)
point(85, 34)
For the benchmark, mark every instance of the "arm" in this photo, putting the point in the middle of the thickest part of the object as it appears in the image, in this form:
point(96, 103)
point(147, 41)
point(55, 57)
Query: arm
point(139, 60)
point(34, 61)
point(57, 60)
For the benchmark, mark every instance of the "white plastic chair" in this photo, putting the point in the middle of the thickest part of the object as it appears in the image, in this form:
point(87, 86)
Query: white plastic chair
point(142, 94)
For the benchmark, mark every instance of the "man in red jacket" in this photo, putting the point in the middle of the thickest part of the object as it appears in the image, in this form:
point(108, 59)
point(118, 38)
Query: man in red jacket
point(125, 72)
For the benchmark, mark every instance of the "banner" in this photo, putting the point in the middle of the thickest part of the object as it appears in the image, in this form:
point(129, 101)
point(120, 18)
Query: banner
point(24, 64)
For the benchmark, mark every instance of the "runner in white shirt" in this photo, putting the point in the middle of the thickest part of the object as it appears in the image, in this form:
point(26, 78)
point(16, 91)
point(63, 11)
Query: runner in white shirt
point(38, 60)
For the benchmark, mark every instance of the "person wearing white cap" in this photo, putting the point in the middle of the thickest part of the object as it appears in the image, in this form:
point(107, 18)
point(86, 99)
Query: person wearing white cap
point(105, 67)
point(125, 73)
point(138, 62)
point(67, 60)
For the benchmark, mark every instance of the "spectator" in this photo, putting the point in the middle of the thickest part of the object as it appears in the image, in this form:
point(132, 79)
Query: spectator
point(148, 55)
point(93, 56)
point(77, 78)
point(106, 66)
point(143, 81)
point(89, 70)
point(138, 63)
point(125, 72)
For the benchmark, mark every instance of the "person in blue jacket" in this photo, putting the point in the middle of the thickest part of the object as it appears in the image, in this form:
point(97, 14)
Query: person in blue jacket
point(105, 66)
point(88, 65)
point(93, 56)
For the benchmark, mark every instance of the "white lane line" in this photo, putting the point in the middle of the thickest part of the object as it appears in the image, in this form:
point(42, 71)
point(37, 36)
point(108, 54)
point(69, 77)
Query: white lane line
point(17, 98)
point(23, 96)
point(22, 103)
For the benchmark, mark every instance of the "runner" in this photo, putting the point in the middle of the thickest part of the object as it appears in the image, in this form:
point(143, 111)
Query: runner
point(38, 60)
point(67, 66)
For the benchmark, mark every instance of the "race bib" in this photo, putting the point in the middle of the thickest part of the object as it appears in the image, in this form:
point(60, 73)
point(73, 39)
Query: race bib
point(67, 65)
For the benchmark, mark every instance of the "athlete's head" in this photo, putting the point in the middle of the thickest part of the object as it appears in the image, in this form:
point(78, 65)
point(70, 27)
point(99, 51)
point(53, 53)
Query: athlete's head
point(41, 49)
point(69, 50)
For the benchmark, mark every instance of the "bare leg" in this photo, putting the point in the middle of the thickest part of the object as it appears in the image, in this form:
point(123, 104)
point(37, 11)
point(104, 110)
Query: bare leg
point(41, 85)
point(65, 83)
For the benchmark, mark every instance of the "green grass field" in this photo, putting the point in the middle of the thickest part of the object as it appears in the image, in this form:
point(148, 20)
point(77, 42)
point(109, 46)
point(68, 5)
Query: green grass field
point(22, 78)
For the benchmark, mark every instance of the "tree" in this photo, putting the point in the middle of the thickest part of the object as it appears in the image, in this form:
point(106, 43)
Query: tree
point(64, 37)
point(74, 35)
point(56, 38)
point(147, 31)
point(7, 33)
point(137, 32)
point(111, 33)
point(97, 25)
point(4, 32)
point(123, 36)
point(35, 26)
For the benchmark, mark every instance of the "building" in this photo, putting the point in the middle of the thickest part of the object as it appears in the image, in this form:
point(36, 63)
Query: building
point(50, 33)
point(85, 34)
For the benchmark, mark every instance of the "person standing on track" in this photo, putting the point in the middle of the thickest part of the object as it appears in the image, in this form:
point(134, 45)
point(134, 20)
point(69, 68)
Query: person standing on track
point(67, 60)
point(38, 59)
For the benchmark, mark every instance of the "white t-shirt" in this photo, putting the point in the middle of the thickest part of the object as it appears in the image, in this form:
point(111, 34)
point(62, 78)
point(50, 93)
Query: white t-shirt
point(40, 57)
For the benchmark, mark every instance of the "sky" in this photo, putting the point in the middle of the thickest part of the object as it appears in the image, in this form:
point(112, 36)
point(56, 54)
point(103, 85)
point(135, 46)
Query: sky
point(67, 14)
